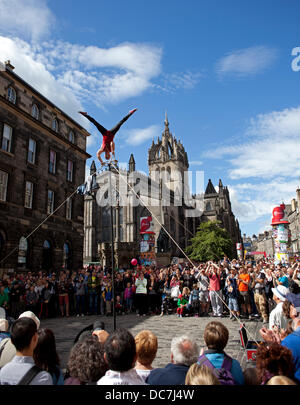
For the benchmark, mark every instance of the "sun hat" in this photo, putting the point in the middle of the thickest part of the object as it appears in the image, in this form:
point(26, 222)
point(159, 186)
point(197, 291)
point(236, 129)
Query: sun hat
point(29, 314)
point(280, 291)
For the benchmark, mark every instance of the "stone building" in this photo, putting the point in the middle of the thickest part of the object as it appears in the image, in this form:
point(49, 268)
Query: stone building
point(42, 161)
point(168, 202)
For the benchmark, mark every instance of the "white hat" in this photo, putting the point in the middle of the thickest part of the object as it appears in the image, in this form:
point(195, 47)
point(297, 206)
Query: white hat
point(29, 314)
point(280, 291)
point(3, 325)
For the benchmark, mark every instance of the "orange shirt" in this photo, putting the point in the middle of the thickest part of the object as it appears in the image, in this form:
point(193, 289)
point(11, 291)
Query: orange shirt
point(245, 277)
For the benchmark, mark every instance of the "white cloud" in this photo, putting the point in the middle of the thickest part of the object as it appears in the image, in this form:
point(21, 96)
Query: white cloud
point(31, 19)
point(245, 62)
point(195, 163)
point(138, 136)
point(269, 147)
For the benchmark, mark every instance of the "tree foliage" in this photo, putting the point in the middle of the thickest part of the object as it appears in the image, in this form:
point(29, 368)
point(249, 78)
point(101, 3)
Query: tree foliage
point(211, 242)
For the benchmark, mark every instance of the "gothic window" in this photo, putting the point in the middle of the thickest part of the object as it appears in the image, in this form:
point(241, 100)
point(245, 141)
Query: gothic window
point(71, 137)
point(55, 125)
point(208, 206)
point(170, 150)
point(158, 153)
point(35, 111)
point(11, 95)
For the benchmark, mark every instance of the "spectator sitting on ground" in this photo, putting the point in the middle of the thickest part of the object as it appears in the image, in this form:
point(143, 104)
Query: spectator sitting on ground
point(200, 375)
point(9, 350)
point(272, 359)
point(46, 357)
point(120, 355)
point(184, 352)
point(216, 337)
point(146, 349)
point(86, 362)
point(24, 337)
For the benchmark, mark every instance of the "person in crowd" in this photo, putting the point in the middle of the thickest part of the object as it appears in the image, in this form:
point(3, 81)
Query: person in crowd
point(216, 337)
point(200, 375)
point(153, 294)
point(146, 349)
point(45, 355)
point(203, 282)
point(281, 380)
point(194, 303)
point(44, 300)
point(166, 299)
point(25, 338)
point(63, 295)
point(273, 359)
point(31, 299)
point(80, 296)
point(108, 298)
point(86, 364)
point(15, 299)
point(215, 292)
point(232, 294)
point(4, 297)
point(277, 317)
point(128, 297)
point(250, 376)
point(243, 287)
point(93, 289)
point(182, 303)
point(184, 353)
point(7, 348)
point(120, 356)
point(261, 301)
point(141, 294)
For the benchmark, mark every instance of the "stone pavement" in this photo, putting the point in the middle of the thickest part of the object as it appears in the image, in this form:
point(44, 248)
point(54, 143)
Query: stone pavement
point(165, 328)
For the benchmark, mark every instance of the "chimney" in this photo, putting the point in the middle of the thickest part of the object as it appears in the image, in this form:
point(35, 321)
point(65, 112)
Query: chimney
point(9, 66)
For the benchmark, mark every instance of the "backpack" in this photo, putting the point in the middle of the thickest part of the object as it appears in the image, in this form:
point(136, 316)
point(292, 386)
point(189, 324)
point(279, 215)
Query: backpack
point(223, 374)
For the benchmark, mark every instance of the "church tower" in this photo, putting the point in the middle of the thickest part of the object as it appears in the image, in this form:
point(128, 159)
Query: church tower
point(167, 160)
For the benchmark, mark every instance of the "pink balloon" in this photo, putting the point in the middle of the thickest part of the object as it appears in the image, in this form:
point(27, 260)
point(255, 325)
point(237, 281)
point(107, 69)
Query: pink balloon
point(134, 262)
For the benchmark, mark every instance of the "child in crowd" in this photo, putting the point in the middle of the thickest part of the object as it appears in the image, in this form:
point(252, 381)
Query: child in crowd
point(182, 302)
point(128, 297)
point(194, 304)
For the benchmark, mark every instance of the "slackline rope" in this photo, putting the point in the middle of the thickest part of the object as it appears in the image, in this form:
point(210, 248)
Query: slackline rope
point(174, 241)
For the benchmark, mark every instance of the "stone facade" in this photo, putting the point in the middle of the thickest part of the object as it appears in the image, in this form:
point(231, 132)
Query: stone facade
point(164, 192)
point(294, 219)
point(42, 161)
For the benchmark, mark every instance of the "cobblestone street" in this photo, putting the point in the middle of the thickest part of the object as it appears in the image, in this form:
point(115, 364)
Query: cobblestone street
point(165, 328)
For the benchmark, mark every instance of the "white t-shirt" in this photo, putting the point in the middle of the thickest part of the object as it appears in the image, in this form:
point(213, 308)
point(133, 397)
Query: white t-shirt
point(277, 318)
point(129, 377)
point(143, 373)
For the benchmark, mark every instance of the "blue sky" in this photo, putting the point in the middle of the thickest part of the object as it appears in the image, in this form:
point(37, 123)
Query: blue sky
point(221, 69)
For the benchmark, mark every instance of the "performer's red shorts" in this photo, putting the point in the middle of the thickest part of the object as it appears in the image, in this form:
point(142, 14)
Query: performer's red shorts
point(107, 139)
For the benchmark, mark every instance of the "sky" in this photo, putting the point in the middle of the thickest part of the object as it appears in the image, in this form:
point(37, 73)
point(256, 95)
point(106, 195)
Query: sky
point(226, 73)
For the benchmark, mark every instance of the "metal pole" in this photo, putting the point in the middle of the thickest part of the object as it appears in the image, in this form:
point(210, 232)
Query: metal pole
point(112, 249)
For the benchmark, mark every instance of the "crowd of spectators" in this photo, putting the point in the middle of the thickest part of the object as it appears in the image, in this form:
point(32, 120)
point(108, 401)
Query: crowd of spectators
point(228, 288)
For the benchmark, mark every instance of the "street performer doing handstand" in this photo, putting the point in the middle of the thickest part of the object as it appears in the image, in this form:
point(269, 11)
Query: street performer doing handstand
point(108, 144)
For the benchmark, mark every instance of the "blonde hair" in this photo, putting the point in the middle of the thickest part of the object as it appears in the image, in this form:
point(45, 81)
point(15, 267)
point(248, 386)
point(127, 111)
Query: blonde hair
point(200, 375)
point(280, 380)
point(146, 347)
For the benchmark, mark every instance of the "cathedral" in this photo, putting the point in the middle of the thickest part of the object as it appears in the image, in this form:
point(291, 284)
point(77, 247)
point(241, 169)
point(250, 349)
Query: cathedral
point(145, 207)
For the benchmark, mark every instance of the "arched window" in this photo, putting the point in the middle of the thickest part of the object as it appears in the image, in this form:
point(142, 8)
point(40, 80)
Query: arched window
point(71, 137)
point(158, 153)
point(46, 245)
point(170, 150)
point(168, 173)
point(11, 95)
point(208, 206)
point(55, 125)
point(35, 111)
